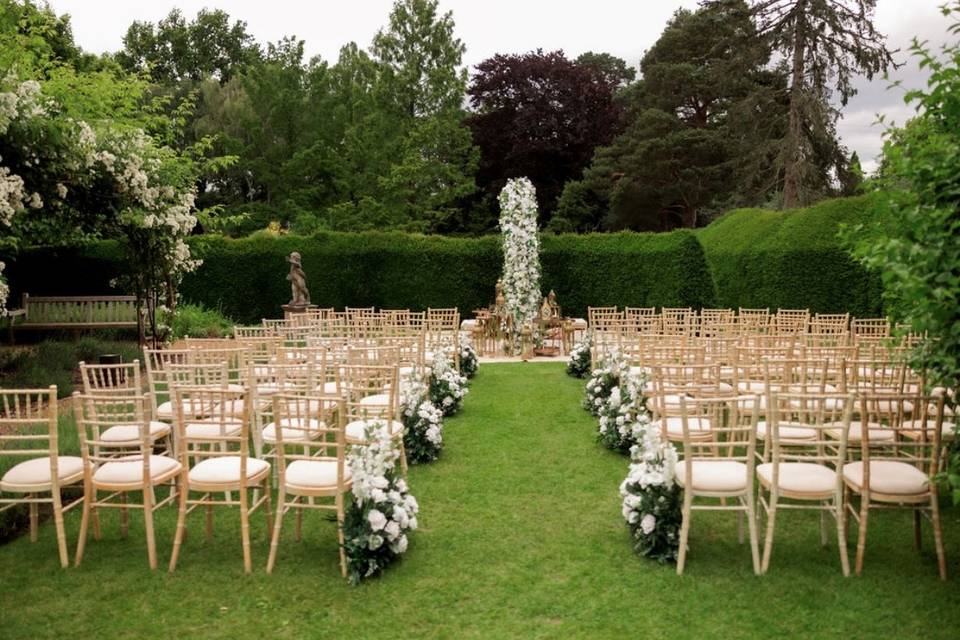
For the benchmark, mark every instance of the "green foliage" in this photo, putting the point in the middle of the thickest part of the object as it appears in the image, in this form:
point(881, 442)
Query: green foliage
point(197, 321)
point(55, 361)
point(791, 259)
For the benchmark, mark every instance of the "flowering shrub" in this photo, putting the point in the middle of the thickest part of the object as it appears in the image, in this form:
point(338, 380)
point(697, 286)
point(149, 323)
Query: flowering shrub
point(447, 387)
point(578, 365)
point(382, 512)
point(468, 357)
point(602, 381)
point(422, 421)
point(521, 253)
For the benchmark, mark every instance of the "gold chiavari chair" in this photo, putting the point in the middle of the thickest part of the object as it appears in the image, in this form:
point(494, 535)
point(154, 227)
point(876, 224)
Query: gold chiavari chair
point(28, 431)
point(830, 323)
point(158, 382)
point(791, 320)
point(751, 321)
point(372, 394)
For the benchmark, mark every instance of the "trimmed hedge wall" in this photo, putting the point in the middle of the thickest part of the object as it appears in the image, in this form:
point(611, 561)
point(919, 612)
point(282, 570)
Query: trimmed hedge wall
point(245, 278)
point(791, 259)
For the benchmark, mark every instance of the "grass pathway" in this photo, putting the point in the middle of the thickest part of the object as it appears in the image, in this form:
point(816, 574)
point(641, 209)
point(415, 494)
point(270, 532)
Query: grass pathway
point(521, 536)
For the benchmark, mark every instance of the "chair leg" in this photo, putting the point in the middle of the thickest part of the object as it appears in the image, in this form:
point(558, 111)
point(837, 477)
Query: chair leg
point(61, 535)
point(752, 526)
point(277, 525)
point(34, 519)
point(768, 538)
point(839, 512)
point(298, 530)
point(95, 516)
point(916, 529)
point(340, 539)
point(181, 522)
point(862, 533)
point(148, 526)
point(938, 535)
point(245, 529)
point(684, 531)
point(84, 527)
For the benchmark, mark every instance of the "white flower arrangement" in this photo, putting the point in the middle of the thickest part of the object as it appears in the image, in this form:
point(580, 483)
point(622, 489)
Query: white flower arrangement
point(382, 512)
point(578, 365)
point(521, 253)
point(447, 386)
point(603, 379)
point(469, 362)
point(422, 420)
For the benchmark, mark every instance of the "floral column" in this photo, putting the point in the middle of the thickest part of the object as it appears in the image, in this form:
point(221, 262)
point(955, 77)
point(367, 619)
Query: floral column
point(521, 254)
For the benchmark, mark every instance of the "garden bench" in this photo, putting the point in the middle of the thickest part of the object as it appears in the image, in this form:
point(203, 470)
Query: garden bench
point(75, 313)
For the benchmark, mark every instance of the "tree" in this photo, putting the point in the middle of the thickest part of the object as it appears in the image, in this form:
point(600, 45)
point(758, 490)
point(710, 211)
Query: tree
point(174, 50)
point(826, 43)
point(540, 115)
point(614, 68)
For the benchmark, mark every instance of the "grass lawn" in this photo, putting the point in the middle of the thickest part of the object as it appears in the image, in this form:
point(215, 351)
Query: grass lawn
point(521, 536)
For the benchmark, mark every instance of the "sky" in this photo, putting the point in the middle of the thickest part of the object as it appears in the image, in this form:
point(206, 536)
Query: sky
point(621, 27)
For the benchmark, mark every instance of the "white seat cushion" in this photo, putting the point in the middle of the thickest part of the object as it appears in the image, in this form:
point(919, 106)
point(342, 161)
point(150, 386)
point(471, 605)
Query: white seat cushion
point(33, 475)
point(888, 476)
point(697, 426)
point(912, 429)
point(225, 470)
point(714, 475)
point(328, 388)
point(800, 478)
point(131, 432)
point(128, 470)
point(212, 429)
point(788, 431)
point(293, 430)
point(356, 430)
point(165, 410)
point(315, 474)
point(375, 400)
point(875, 432)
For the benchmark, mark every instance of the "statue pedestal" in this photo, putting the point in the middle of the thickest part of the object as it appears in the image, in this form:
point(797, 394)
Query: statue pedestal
point(292, 310)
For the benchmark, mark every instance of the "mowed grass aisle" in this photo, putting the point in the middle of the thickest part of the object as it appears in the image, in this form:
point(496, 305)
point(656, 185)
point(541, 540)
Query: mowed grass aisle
point(521, 536)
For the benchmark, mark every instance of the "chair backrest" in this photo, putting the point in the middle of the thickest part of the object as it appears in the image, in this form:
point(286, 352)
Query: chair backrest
point(195, 374)
point(874, 376)
point(157, 362)
point(916, 422)
point(809, 428)
point(28, 426)
point(97, 413)
point(361, 381)
point(836, 323)
point(123, 379)
point(322, 419)
point(871, 327)
point(216, 408)
point(732, 429)
point(752, 320)
point(791, 320)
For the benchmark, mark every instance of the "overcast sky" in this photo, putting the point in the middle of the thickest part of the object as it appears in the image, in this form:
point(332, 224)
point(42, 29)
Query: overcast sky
point(623, 28)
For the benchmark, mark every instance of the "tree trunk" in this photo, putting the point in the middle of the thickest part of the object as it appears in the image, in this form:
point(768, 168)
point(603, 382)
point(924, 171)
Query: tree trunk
point(792, 143)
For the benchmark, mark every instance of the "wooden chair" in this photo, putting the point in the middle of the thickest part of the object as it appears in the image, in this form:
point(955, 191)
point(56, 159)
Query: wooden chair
point(898, 473)
point(805, 465)
point(220, 447)
point(28, 429)
point(312, 471)
point(721, 466)
point(158, 383)
point(372, 393)
point(120, 467)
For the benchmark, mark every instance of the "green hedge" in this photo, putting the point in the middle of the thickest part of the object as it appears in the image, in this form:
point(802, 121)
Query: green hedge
point(791, 259)
point(245, 278)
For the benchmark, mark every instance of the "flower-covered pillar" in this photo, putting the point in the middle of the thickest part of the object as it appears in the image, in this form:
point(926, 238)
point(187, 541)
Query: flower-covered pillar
point(521, 254)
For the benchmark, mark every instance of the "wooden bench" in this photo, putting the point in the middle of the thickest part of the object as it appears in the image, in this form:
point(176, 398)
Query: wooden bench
point(75, 313)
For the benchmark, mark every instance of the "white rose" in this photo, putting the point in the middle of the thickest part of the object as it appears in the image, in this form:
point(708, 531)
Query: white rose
point(377, 520)
point(648, 523)
point(392, 530)
point(400, 545)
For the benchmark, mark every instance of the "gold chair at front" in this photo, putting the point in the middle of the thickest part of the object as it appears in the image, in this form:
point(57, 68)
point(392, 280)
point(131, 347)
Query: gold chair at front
point(311, 461)
point(721, 466)
point(803, 468)
point(120, 467)
point(898, 472)
point(28, 429)
point(217, 439)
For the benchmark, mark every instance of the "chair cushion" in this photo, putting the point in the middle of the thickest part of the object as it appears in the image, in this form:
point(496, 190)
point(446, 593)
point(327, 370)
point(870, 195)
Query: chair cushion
point(875, 432)
point(375, 400)
point(315, 474)
point(129, 470)
point(211, 429)
point(912, 429)
point(697, 426)
point(165, 410)
point(714, 475)
point(33, 475)
point(800, 478)
point(888, 476)
point(225, 470)
point(790, 431)
point(356, 430)
point(328, 388)
point(293, 430)
point(131, 432)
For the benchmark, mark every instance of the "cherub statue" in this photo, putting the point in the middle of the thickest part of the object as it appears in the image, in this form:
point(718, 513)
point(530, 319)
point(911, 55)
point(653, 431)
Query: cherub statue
point(298, 282)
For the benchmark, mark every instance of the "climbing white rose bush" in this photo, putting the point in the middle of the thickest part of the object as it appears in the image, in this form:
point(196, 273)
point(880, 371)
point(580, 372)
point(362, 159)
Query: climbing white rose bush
point(521, 253)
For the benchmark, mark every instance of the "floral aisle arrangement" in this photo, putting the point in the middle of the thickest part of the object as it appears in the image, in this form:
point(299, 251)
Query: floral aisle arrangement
point(422, 422)
point(469, 363)
point(578, 365)
point(521, 254)
point(447, 387)
point(382, 512)
point(651, 497)
point(603, 380)
point(623, 411)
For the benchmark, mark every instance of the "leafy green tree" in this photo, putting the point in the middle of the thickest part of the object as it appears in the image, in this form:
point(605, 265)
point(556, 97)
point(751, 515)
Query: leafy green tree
point(826, 43)
point(915, 243)
point(615, 69)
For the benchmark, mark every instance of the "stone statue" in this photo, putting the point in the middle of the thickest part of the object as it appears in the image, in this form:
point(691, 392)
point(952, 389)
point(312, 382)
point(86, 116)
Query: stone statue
point(298, 282)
